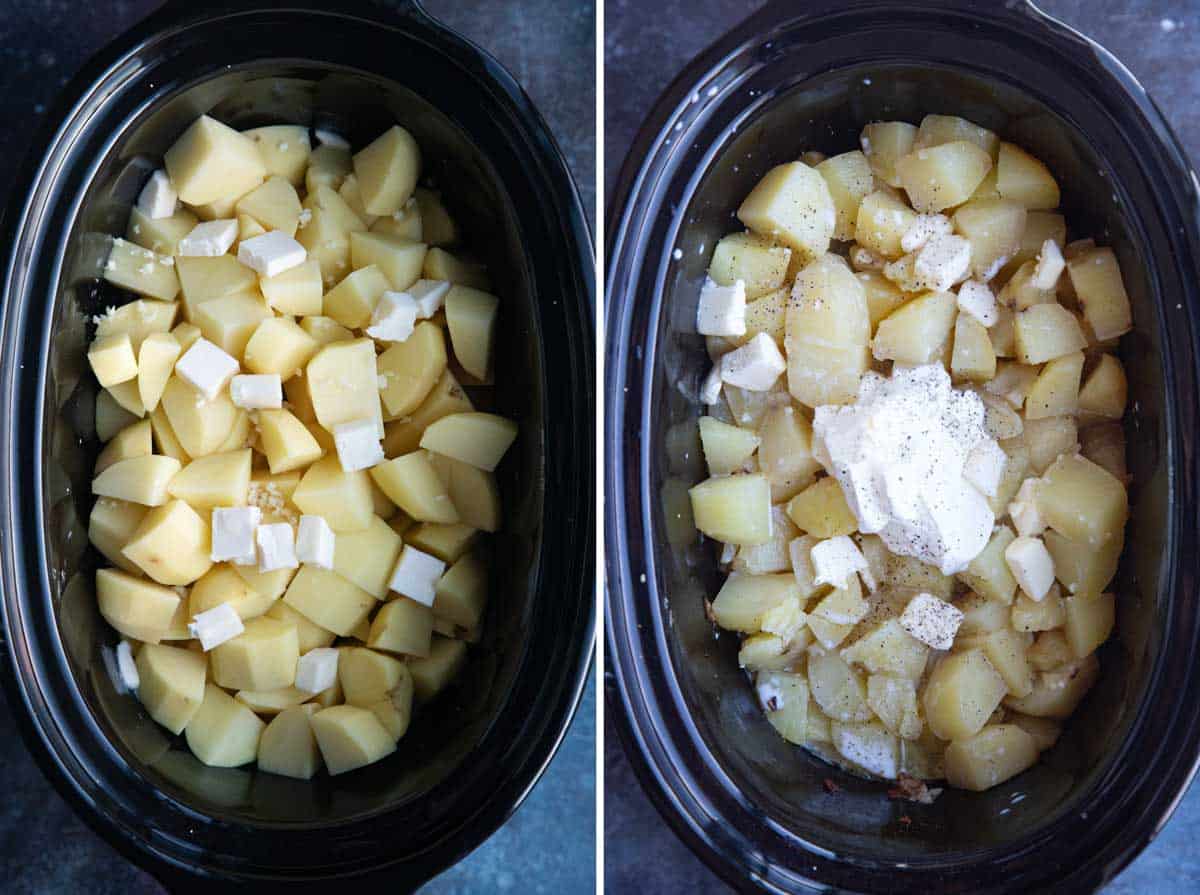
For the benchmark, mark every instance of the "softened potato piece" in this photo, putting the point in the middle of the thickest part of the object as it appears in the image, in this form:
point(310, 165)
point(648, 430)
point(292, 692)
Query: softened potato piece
point(848, 177)
point(1049, 651)
point(387, 171)
point(134, 606)
point(287, 745)
point(135, 440)
point(262, 657)
point(1056, 390)
point(325, 330)
point(916, 331)
point(411, 369)
point(343, 382)
point(888, 649)
point(881, 294)
point(1057, 693)
point(882, 222)
point(434, 673)
point(988, 573)
point(1084, 570)
point(733, 509)
point(286, 441)
point(1045, 615)
point(401, 262)
point(328, 600)
point(894, 702)
point(1005, 649)
point(1105, 390)
point(785, 700)
point(785, 454)
point(411, 482)
point(1082, 501)
point(367, 557)
point(1039, 226)
point(171, 545)
point(141, 270)
point(836, 687)
point(1021, 292)
point(1047, 439)
point(744, 600)
point(211, 161)
point(768, 314)
point(327, 241)
point(1089, 622)
point(821, 510)
point(884, 143)
point(1023, 178)
point(1096, 278)
point(942, 176)
point(973, 359)
point(223, 733)
point(111, 524)
point(938, 129)
point(342, 498)
point(961, 694)
point(350, 737)
point(471, 319)
point(726, 447)
point(768, 652)
point(994, 228)
point(997, 753)
point(159, 235)
point(792, 205)
point(828, 328)
point(1046, 331)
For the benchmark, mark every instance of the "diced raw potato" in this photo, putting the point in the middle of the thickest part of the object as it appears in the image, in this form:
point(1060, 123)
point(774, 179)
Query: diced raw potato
point(437, 226)
point(221, 584)
point(350, 737)
point(889, 649)
point(1057, 693)
point(352, 301)
point(744, 600)
point(368, 676)
point(262, 657)
point(218, 480)
point(394, 711)
point(135, 607)
point(974, 359)
point(994, 227)
point(471, 319)
point(1056, 390)
point(328, 600)
point(882, 222)
point(916, 331)
point(156, 361)
point(848, 177)
point(894, 702)
point(274, 204)
point(402, 626)
point(387, 171)
point(279, 346)
point(127, 397)
point(942, 176)
point(785, 454)
point(1082, 501)
point(212, 161)
point(1096, 278)
point(134, 440)
point(342, 498)
point(229, 322)
point(836, 687)
point(828, 328)
point(110, 526)
point(401, 262)
point(224, 733)
point(203, 279)
point(310, 636)
point(997, 753)
point(1045, 732)
point(411, 482)
point(462, 592)
point(297, 290)
point(433, 673)
point(1046, 331)
point(478, 439)
point(285, 150)
point(113, 360)
point(792, 205)
point(367, 557)
point(1023, 178)
point(141, 270)
point(988, 574)
point(412, 368)
point(441, 265)
point(286, 441)
point(160, 235)
point(961, 694)
point(141, 479)
point(287, 745)
point(821, 510)
point(138, 319)
point(328, 167)
point(884, 143)
point(343, 383)
point(938, 129)
point(352, 196)
point(726, 447)
point(733, 509)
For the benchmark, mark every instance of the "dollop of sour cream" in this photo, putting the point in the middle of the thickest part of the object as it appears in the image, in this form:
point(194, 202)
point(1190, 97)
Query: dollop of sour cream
point(899, 453)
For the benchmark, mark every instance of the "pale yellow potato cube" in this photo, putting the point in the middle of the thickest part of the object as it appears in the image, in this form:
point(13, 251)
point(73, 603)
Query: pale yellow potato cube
point(217, 480)
point(1021, 292)
point(1083, 502)
point(350, 737)
point(441, 265)
point(142, 479)
point(325, 330)
point(279, 345)
point(203, 279)
point(297, 291)
point(1096, 278)
point(916, 331)
point(224, 733)
point(1089, 622)
point(988, 573)
point(1046, 331)
point(888, 649)
point(171, 545)
point(942, 176)
point(138, 319)
point(838, 689)
point(156, 362)
point(218, 210)
point(342, 498)
point(882, 295)
point(849, 179)
point(882, 222)
point(127, 396)
point(286, 441)
point(165, 440)
point(938, 129)
point(994, 227)
point(395, 710)
point(821, 510)
point(433, 673)
point(473, 492)
point(744, 601)
point(368, 676)
point(211, 161)
point(411, 482)
point(412, 368)
point(768, 314)
point(733, 509)
point(387, 170)
point(1057, 693)
point(828, 328)
point(170, 684)
point(787, 709)
point(726, 448)
point(288, 746)
point(111, 524)
point(328, 167)
point(343, 383)
point(401, 262)
point(785, 455)
point(894, 702)
point(285, 150)
point(112, 360)
point(961, 694)
point(310, 636)
point(471, 318)
point(274, 204)
point(1105, 390)
point(884, 143)
point(1022, 177)
point(229, 322)
point(437, 226)
point(1044, 615)
point(402, 224)
point(326, 240)
point(973, 359)
point(1056, 390)
point(478, 439)
point(404, 435)
point(462, 592)
point(160, 235)
point(1005, 649)
point(447, 542)
point(759, 263)
point(135, 440)
point(200, 426)
point(135, 607)
point(141, 270)
point(792, 205)
point(328, 600)
point(997, 753)
point(262, 657)
point(402, 626)
point(352, 300)
point(367, 557)
point(1048, 438)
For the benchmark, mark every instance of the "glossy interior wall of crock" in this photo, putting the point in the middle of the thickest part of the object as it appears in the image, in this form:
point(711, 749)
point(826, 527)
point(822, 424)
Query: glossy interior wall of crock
point(826, 113)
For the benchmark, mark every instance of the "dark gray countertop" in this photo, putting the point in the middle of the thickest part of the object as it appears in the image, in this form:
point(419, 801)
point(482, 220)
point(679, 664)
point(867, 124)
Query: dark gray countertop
point(548, 845)
point(646, 45)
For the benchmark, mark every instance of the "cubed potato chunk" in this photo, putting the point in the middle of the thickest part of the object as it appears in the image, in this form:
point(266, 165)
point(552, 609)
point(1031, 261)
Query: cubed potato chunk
point(938, 129)
point(387, 171)
point(342, 498)
point(437, 226)
point(916, 332)
point(400, 261)
point(135, 607)
point(113, 360)
point(849, 179)
point(170, 684)
point(352, 300)
point(733, 509)
point(1096, 278)
point(403, 436)
point(159, 235)
point(1005, 649)
point(288, 746)
point(785, 454)
point(988, 573)
point(942, 176)
point(111, 524)
point(839, 690)
point(156, 362)
point(203, 279)
point(1057, 693)
point(141, 270)
point(350, 737)
point(821, 510)
point(218, 480)
point(961, 694)
point(286, 441)
point(894, 702)
point(1044, 332)
point(411, 369)
point(297, 291)
point(200, 426)
point(262, 657)
point(367, 557)
point(1089, 622)
point(726, 447)
point(223, 733)
point(973, 358)
point(759, 263)
point(471, 319)
point(368, 676)
point(792, 205)
point(882, 222)
point(343, 382)
point(888, 649)
point(274, 204)
point(279, 345)
point(997, 753)
point(328, 600)
point(1044, 615)
point(478, 439)
point(1082, 501)
point(744, 600)
point(1024, 179)
point(828, 328)
point(212, 161)
point(1105, 390)
point(411, 482)
point(994, 228)
point(223, 584)
point(141, 479)
point(310, 636)
point(884, 143)
point(434, 673)
point(402, 626)
point(473, 492)
point(785, 699)
point(171, 545)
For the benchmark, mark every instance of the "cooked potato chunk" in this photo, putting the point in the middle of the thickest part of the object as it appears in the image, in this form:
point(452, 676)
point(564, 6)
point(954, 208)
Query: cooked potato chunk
point(884, 143)
point(942, 176)
point(1082, 501)
point(828, 327)
point(1021, 177)
point(848, 177)
point(759, 263)
point(1096, 278)
point(792, 205)
point(1044, 332)
point(995, 754)
point(961, 694)
point(733, 509)
point(916, 331)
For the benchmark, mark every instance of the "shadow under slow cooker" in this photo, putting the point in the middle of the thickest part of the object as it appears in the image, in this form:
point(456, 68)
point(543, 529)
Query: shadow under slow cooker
point(784, 783)
point(444, 733)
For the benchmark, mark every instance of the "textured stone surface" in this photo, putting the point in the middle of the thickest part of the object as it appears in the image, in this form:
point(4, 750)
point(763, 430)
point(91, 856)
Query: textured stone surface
point(548, 845)
point(646, 45)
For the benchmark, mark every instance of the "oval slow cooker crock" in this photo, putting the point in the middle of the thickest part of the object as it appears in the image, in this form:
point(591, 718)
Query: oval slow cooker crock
point(797, 77)
point(471, 756)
